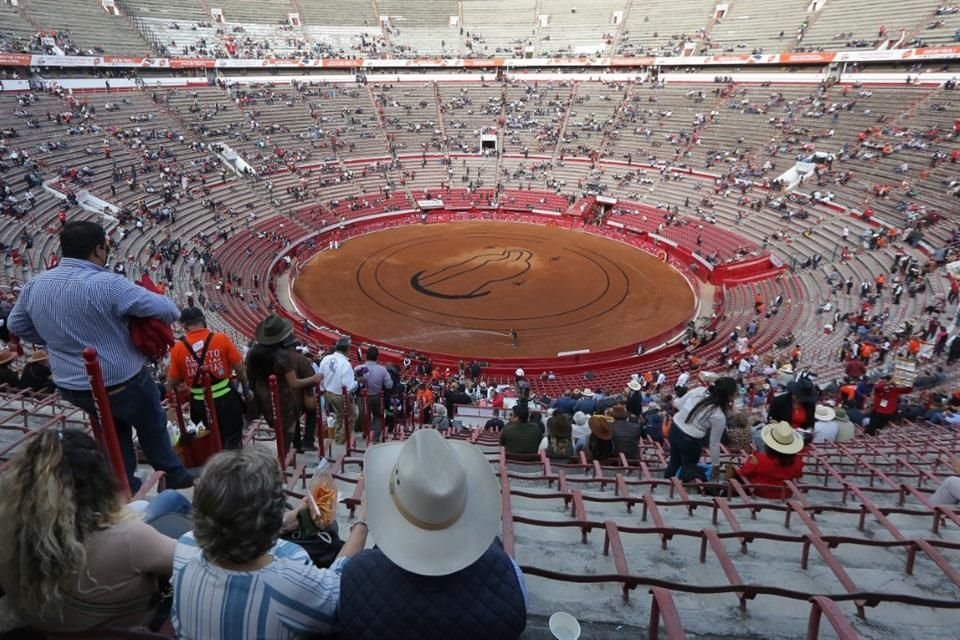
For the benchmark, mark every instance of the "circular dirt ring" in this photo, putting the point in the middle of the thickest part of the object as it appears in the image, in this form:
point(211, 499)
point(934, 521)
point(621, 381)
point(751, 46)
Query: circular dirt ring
point(461, 288)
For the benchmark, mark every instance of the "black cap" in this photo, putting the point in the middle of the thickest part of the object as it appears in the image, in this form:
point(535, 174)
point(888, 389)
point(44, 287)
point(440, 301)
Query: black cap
point(191, 315)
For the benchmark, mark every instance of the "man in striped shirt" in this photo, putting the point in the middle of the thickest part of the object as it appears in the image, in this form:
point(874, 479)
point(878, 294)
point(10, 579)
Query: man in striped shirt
point(78, 304)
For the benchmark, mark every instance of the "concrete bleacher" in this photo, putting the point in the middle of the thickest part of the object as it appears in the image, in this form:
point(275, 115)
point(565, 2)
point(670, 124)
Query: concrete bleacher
point(501, 24)
point(755, 26)
point(183, 10)
point(585, 27)
point(92, 29)
point(848, 17)
point(661, 27)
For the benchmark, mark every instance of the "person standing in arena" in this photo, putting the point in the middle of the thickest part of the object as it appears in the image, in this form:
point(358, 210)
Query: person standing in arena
point(79, 304)
point(203, 349)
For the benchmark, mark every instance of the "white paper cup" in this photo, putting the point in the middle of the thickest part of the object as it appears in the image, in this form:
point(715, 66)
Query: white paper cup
point(564, 626)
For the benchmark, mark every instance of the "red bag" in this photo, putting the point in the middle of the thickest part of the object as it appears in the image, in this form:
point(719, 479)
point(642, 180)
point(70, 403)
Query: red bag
point(151, 336)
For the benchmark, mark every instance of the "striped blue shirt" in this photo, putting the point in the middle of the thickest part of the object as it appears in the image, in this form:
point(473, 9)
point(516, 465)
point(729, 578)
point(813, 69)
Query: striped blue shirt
point(78, 304)
point(288, 598)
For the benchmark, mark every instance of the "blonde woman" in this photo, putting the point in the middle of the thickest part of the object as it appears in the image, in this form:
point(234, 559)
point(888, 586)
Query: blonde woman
point(73, 557)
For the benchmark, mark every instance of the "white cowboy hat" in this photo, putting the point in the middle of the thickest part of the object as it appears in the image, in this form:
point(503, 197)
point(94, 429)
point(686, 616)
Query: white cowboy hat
point(587, 393)
point(433, 504)
point(634, 385)
point(824, 413)
point(708, 377)
point(781, 437)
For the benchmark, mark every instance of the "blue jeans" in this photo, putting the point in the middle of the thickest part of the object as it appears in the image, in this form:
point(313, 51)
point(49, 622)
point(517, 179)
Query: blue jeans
point(685, 451)
point(169, 513)
point(137, 404)
point(167, 501)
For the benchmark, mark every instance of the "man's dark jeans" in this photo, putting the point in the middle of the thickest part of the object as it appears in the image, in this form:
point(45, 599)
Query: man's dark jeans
point(137, 405)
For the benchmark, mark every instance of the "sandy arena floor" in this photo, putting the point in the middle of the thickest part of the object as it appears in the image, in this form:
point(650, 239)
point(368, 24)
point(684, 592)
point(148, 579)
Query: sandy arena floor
point(460, 288)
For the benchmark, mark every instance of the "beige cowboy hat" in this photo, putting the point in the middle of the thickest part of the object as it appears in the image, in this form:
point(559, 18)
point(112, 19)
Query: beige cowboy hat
point(433, 504)
point(823, 413)
point(38, 356)
point(781, 437)
point(7, 356)
point(587, 393)
point(634, 385)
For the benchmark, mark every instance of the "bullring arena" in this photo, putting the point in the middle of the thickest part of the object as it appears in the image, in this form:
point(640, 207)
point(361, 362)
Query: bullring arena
point(597, 194)
point(462, 288)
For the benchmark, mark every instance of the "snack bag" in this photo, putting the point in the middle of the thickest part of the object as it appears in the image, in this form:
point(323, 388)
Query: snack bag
point(323, 495)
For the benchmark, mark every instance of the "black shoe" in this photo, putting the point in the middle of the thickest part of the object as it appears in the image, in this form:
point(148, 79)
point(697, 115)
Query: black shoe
point(185, 480)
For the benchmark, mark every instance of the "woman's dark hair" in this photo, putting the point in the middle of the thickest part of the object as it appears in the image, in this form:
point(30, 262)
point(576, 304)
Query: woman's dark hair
point(719, 395)
point(78, 239)
point(783, 459)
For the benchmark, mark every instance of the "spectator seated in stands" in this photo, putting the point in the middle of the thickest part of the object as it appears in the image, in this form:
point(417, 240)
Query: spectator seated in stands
point(653, 422)
point(440, 420)
point(626, 433)
point(777, 463)
point(8, 376)
point(558, 442)
point(74, 557)
point(438, 570)
point(825, 428)
point(600, 442)
point(580, 430)
point(494, 423)
point(948, 493)
point(36, 374)
point(739, 436)
point(232, 576)
point(521, 437)
point(846, 431)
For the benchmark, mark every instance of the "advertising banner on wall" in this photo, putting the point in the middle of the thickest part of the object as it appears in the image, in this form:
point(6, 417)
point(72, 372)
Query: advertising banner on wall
point(812, 58)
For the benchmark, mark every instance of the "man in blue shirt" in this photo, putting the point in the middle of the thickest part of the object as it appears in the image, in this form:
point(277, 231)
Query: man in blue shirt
point(80, 304)
point(377, 379)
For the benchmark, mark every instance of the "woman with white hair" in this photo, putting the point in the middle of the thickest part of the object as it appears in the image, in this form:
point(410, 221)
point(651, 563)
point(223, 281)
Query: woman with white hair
point(440, 420)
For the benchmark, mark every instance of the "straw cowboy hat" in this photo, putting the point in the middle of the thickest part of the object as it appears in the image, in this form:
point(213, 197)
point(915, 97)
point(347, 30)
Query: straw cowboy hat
point(433, 504)
point(38, 356)
point(824, 413)
point(600, 427)
point(273, 330)
point(7, 356)
point(587, 393)
point(781, 437)
point(633, 385)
